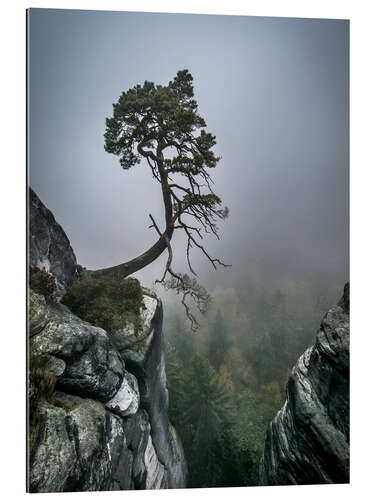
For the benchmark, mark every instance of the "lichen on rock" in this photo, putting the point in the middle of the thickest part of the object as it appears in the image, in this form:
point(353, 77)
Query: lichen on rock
point(49, 247)
point(134, 334)
point(308, 440)
point(126, 401)
point(92, 366)
point(97, 431)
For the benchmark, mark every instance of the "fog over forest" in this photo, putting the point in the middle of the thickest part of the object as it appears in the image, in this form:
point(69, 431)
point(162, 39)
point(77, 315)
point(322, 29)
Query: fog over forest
point(274, 92)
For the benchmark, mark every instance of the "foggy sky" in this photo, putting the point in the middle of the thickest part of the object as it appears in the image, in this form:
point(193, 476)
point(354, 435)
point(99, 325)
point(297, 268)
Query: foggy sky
point(274, 91)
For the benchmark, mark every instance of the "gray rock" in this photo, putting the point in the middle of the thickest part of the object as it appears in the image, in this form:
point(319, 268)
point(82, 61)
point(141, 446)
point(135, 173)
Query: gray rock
point(54, 458)
point(49, 247)
point(82, 447)
point(126, 401)
point(308, 440)
point(100, 436)
point(148, 472)
point(137, 430)
point(53, 365)
point(79, 447)
point(146, 362)
point(155, 477)
point(86, 364)
point(38, 313)
point(133, 339)
point(93, 367)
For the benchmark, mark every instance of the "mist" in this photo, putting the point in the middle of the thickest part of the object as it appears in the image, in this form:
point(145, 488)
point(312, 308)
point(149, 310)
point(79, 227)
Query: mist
point(274, 91)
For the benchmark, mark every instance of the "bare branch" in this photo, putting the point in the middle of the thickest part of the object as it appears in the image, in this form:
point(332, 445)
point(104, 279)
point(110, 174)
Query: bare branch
point(154, 225)
point(146, 121)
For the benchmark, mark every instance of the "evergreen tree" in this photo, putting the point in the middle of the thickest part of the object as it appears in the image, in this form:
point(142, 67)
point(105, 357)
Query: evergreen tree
point(175, 384)
point(218, 342)
point(248, 435)
point(160, 126)
point(206, 420)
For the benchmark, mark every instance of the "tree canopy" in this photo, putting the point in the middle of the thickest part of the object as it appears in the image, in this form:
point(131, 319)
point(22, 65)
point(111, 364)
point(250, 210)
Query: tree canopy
point(161, 125)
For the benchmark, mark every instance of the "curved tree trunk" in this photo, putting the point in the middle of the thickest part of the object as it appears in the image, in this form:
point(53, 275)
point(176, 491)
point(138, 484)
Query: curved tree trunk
point(127, 268)
point(134, 265)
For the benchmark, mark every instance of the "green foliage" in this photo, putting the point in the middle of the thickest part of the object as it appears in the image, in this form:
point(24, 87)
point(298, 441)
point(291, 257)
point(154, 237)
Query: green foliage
point(227, 381)
point(42, 282)
point(161, 125)
point(249, 429)
point(106, 301)
point(286, 323)
point(218, 342)
point(175, 383)
point(151, 114)
point(206, 416)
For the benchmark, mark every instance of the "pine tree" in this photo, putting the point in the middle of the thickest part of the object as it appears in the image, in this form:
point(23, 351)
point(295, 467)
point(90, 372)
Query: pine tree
point(218, 343)
point(206, 420)
point(160, 127)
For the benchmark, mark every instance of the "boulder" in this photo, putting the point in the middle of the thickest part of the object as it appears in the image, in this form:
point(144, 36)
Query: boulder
point(93, 367)
point(134, 338)
point(308, 440)
point(49, 247)
point(105, 427)
point(126, 401)
point(145, 359)
point(79, 447)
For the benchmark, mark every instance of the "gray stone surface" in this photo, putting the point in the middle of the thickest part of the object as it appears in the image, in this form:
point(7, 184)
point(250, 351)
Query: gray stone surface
point(49, 247)
point(148, 471)
point(126, 401)
point(104, 428)
point(92, 366)
point(54, 458)
point(132, 338)
point(308, 440)
point(87, 365)
point(80, 447)
point(146, 362)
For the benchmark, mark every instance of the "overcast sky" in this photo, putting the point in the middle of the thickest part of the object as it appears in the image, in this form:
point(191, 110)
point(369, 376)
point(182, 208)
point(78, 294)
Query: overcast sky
point(274, 91)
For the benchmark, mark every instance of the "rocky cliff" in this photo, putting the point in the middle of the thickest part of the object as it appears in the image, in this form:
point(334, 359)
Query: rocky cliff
point(49, 247)
point(308, 440)
point(105, 426)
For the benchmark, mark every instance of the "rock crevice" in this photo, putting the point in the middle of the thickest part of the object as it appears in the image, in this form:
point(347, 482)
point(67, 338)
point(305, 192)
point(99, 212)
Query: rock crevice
point(308, 440)
point(106, 425)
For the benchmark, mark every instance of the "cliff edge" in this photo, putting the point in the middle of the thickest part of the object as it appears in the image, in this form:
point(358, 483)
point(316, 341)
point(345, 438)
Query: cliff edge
point(104, 426)
point(308, 440)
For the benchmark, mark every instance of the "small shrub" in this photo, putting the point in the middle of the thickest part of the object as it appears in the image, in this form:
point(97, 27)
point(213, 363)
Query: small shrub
point(41, 383)
point(107, 302)
point(43, 282)
point(41, 387)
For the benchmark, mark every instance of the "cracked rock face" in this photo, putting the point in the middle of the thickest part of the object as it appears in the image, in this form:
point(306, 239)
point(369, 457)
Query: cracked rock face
point(104, 428)
point(308, 440)
point(92, 366)
point(147, 452)
point(49, 247)
point(79, 447)
point(132, 341)
point(126, 401)
point(146, 362)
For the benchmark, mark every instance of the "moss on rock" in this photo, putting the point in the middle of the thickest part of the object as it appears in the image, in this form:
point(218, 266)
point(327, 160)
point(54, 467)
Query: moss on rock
point(107, 302)
point(52, 454)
